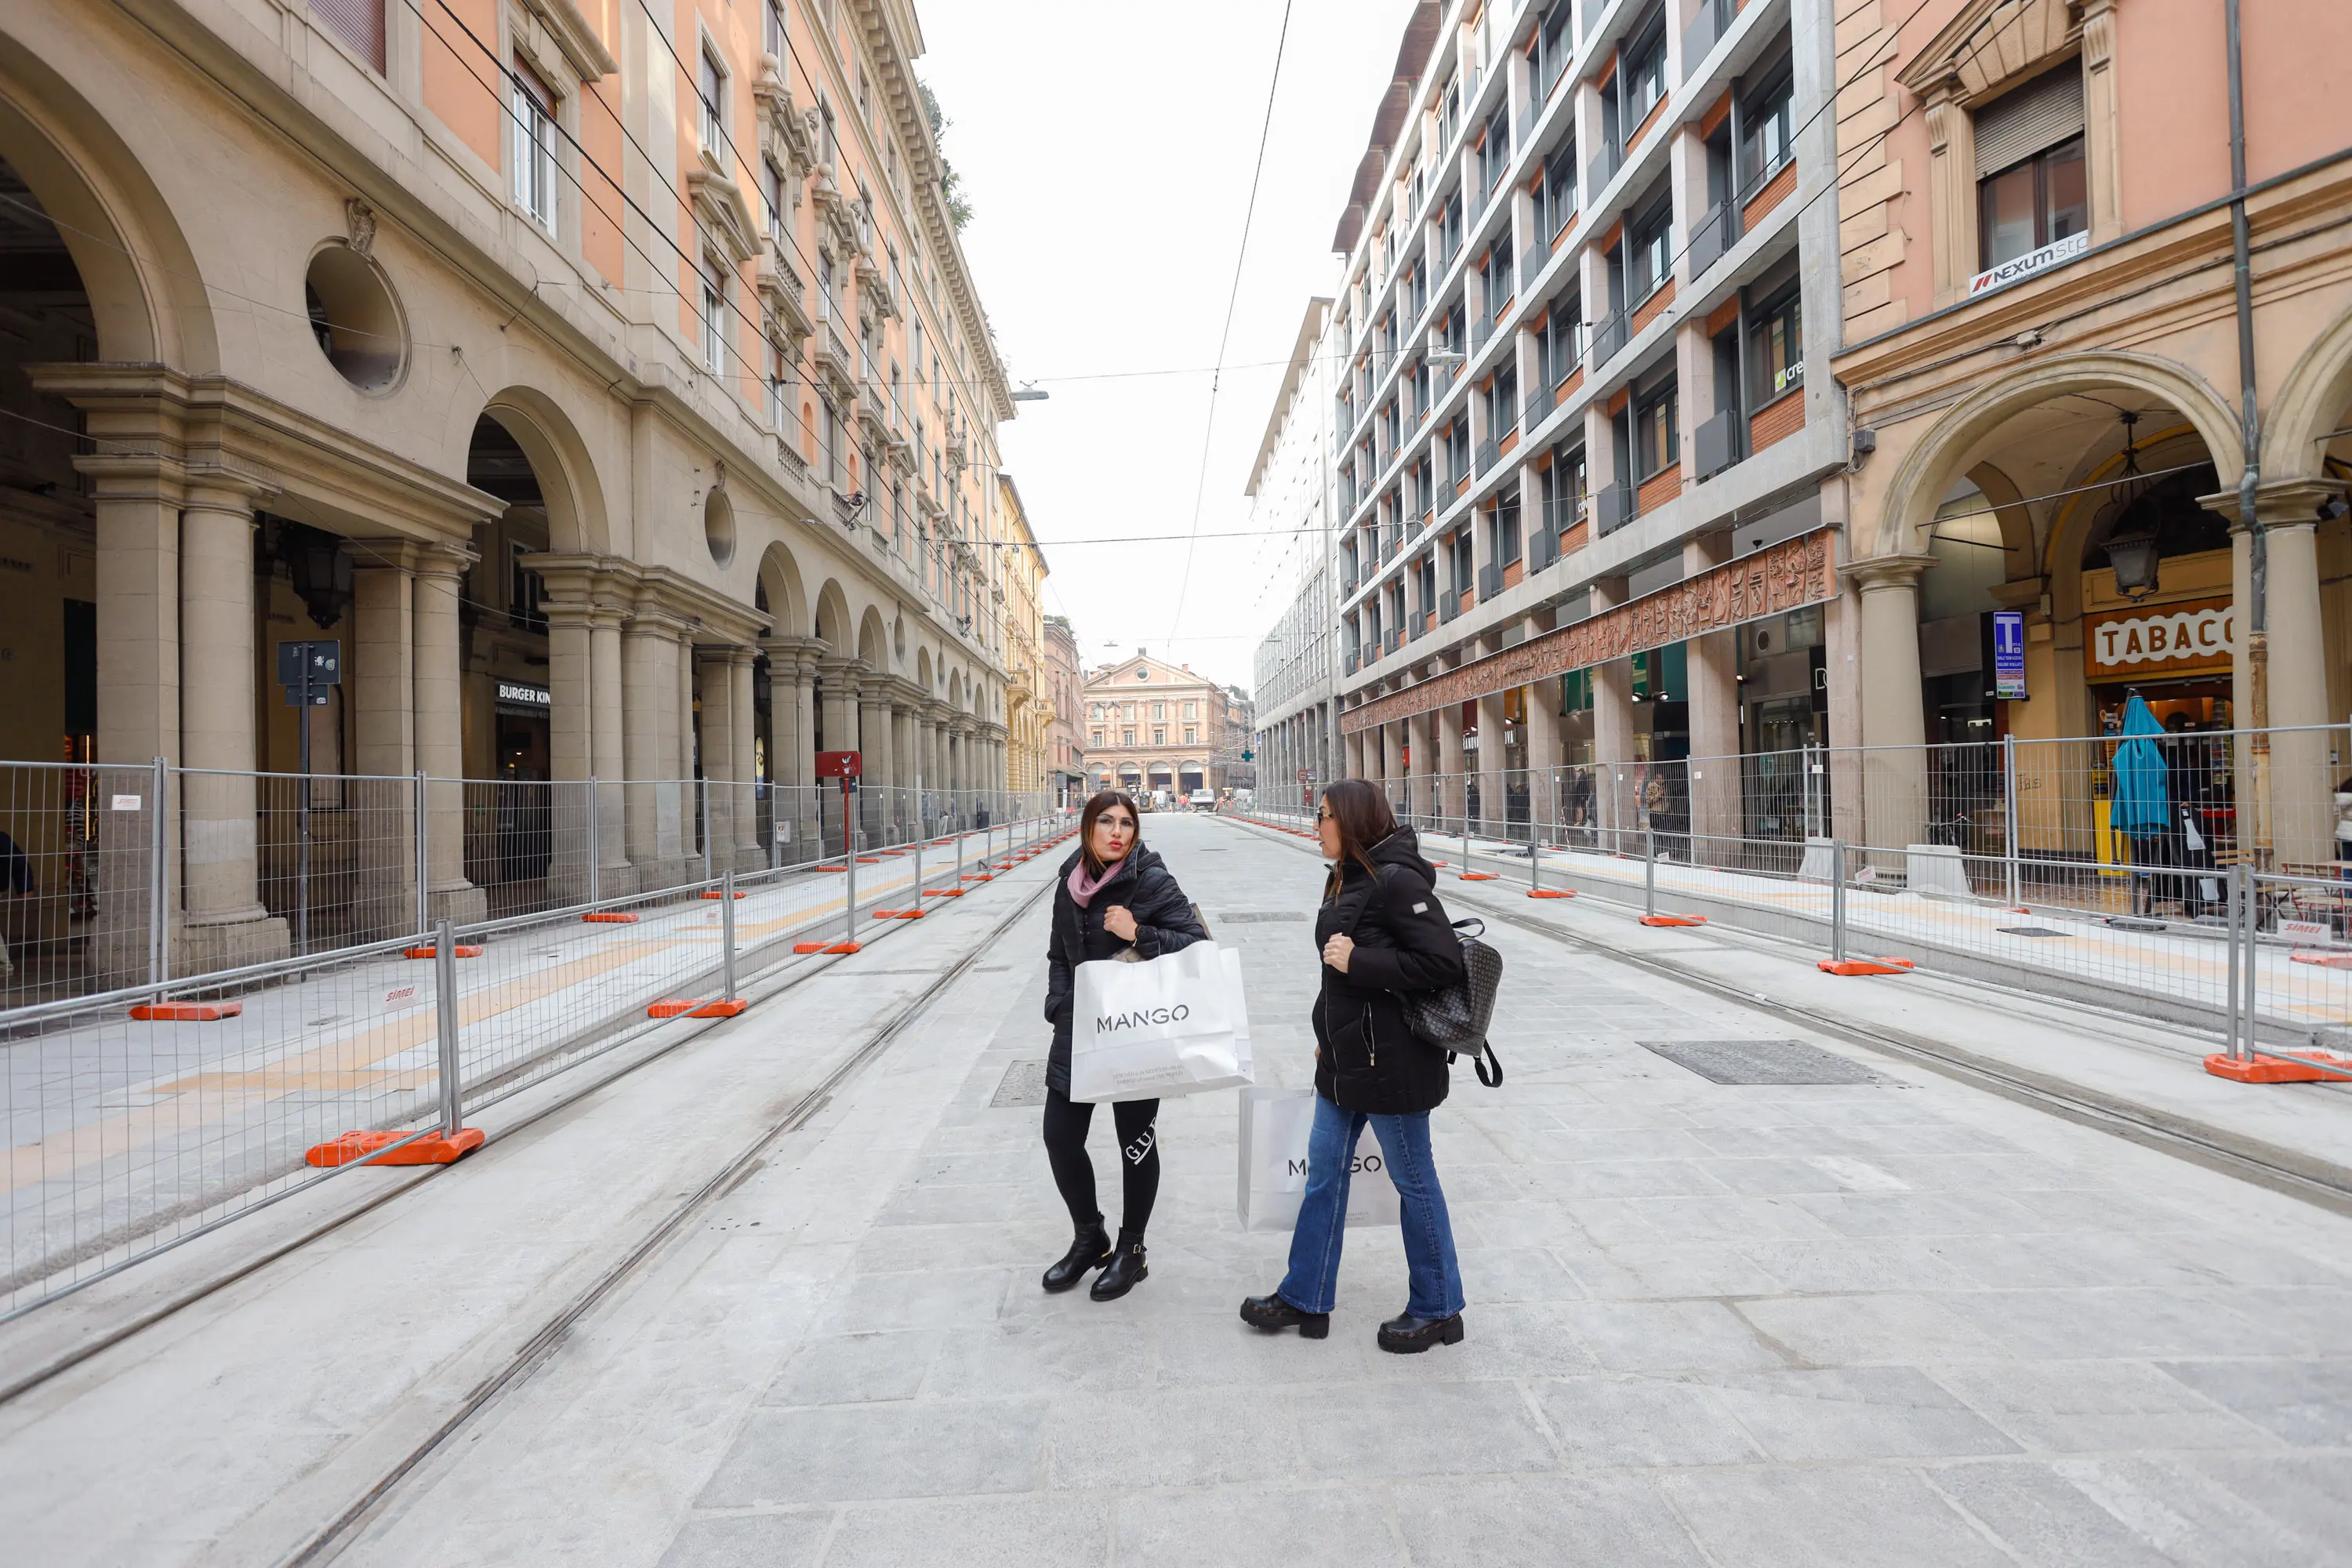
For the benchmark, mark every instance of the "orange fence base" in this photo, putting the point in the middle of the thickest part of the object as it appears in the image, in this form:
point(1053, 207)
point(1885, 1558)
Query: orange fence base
point(463, 950)
point(2324, 960)
point(432, 1149)
point(1477, 877)
point(829, 947)
point(697, 1009)
point(896, 914)
point(715, 893)
point(2260, 1069)
point(1551, 893)
point(1864, 966)
point(1674, 920)
point(186, 1012)
point(609, 918)
point(978, 877)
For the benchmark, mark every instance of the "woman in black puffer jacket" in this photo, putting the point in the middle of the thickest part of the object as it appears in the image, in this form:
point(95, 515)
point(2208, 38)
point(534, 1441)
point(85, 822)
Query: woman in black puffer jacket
point(1114, 895)
point(1381, 932)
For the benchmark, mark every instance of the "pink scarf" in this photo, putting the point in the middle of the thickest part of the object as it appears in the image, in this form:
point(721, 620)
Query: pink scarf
point(1082, 888)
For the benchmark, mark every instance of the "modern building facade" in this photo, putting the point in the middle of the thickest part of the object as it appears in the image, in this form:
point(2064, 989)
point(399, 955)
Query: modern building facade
point(1583, 424)
point(2053, 372)
point(1296, 736)
point(1153, 726)
point(1066, 686)
point(608, 382)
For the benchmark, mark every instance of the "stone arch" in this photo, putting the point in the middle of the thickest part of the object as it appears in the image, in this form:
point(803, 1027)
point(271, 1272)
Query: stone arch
point(873, 641)
point(923, 669)
point(2310, 405)
point(560, 460)
point(146, 291)
point(831, 625)
point(1927, 471)
point(780, 577)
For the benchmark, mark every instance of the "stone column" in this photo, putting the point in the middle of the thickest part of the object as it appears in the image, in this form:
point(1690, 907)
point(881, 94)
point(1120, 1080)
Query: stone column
point(879, 776)
point(608, 752)
point(1420, 764)
point(1713, 662)
point(1493, 785)
point(1614, 773)
point(714, 668)
point(1543, 757)
point(791, 662)
point(649, 749)
point(748, 854)
point(1451, 799)
point(570, 737)
point(226, 923)
point(441, 734)
point(1893, 724)
point(2299, 822)
point(907, 767)
point(381, 683)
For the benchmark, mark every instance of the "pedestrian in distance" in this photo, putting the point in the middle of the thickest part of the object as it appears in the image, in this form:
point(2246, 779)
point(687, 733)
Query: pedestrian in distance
point(1115, 899)
point(1381, 932)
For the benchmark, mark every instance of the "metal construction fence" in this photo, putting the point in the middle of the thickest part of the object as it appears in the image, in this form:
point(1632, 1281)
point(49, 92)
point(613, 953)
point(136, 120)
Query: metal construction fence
point(2199, 879)
point(153, 1110)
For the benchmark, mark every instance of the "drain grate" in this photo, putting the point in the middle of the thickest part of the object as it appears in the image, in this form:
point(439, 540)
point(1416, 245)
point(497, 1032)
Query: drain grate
point(1759, 1062)
point(1025, 1084)
point(1249, 917)
point(2028, 931)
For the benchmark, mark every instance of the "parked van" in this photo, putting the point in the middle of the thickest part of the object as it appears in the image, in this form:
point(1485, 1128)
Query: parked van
point(1203, 800)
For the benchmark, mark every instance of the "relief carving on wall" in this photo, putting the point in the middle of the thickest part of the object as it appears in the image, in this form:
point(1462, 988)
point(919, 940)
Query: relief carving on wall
point(1786, 576)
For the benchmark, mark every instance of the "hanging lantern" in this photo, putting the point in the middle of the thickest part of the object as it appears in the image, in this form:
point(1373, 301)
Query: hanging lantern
point(2133, 555)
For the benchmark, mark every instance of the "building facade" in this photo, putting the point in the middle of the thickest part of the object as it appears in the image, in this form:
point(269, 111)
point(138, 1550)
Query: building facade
point(1065, 684)
point(1589, 291)
point(2052, 369)
point(1019, 587)
point(1155, 726)
point(1290, 493)
point(607, 382)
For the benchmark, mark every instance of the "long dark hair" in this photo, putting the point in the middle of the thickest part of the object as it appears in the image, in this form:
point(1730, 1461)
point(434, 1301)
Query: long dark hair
point(1098, 802)
point(1364, 817)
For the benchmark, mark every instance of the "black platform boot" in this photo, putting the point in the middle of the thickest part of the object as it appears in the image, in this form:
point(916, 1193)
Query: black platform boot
point(1405, 1334)
point(1090, 1250)
point(1271, 1312)
point(1126, 1271)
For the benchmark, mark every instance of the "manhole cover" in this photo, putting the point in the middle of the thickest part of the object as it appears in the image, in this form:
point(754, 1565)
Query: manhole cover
point(1248, 917)
point(1759, 1062)
point(1025, 1084)
point(2028, 931)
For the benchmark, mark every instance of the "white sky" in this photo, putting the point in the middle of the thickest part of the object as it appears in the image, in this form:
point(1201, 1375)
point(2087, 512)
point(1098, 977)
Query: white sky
point(1106, 148)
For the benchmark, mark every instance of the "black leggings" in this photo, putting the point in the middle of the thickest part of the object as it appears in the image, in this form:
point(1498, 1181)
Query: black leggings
point(1139, 1149)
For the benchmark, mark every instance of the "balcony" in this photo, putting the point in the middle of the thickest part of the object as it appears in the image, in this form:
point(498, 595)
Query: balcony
point(1488, 456)
point(1392, 641)
point(1531, 264)
point(1349, 662)
point(1543, 549)
point(1609, 336)
point(779, 290)
point(1714, 18)
point(959, 451)
point(1449, 605)
point(1490, 581)
point(873, 417)
point(1615, 506)
point(1715, 232)
point(1540, 403)
point(1603, 167)
point(1717, 443)
point(834, 362)
point(1480, 330)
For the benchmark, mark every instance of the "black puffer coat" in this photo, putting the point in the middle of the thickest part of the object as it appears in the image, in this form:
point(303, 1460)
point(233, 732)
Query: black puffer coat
point(1369, 1059)
point(1165, 923)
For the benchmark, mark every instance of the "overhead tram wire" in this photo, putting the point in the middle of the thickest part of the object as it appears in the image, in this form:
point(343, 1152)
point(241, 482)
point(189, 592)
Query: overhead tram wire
point(1233, 298)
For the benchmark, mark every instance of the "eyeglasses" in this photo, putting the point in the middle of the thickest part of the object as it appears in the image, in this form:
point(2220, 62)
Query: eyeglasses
point(1323, 815)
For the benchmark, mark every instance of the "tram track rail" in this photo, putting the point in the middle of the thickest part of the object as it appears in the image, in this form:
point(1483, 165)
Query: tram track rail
point(2317, 1182)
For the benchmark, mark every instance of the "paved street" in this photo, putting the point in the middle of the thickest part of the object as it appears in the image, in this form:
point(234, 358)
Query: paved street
point(1889, 1320)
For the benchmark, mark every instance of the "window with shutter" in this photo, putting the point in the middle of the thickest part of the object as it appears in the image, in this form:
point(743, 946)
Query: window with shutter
point(2030, 119)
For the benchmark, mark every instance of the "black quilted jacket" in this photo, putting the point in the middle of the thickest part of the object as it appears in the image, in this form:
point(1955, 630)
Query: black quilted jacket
point(1367, 1058)
point(1165, 923)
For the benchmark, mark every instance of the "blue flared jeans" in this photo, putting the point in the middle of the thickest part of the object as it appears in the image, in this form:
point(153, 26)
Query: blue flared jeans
point(1434, 1278)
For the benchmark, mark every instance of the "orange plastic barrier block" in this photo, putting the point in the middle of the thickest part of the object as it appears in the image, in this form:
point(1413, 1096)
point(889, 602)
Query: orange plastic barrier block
point(1674, 920)
point(1477, 877)
point(978, 877)
point(711, 893)
point(944, 892)
point(463, 950)
point(1551, 893)
point(896, 914)
point(832, 868)
point(2324, 960)
point(432, 1149)
point(186, 1012)
point(868, 860)
point(696, 1009)
point(2260, 1069)
point(892, 853)
point(1433, 862)
point(609, 918)
point(1864, 966)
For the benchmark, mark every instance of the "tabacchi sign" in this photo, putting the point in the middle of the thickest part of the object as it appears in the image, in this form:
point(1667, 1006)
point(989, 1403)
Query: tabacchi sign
point(2192, 638)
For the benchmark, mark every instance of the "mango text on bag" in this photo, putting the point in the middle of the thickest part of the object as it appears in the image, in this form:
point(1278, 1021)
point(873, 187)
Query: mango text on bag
point(1175, 1014)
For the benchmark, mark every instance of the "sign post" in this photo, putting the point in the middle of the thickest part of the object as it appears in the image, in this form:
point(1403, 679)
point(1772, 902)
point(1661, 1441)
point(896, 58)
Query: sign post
point(306, 670)
point(846, 766)
point(2009, 655)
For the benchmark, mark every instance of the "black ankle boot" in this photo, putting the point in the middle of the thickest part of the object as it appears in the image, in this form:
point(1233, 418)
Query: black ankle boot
point(1126, 1271)
point(1408, 1335)
point(1090, 1250)
point(1271, 1312)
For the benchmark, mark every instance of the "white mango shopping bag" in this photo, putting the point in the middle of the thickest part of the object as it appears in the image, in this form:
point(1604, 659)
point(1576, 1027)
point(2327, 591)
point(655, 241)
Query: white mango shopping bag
point(1276, 1126)
point(1170, 1025)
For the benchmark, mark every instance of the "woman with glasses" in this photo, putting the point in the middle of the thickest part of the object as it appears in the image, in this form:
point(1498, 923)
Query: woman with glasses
point(1381, 932)
point(1116, 899)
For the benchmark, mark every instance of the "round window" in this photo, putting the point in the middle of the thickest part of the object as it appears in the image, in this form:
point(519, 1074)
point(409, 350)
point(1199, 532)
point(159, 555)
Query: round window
point(355, 319)
point(718, 525)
